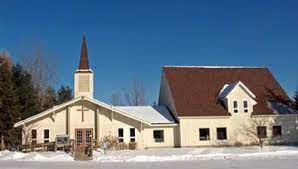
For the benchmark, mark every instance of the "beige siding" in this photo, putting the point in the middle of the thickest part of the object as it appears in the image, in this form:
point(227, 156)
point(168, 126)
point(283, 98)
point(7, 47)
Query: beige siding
point(76, 119)
point(236, 130)
point(170, 137)
point(239, 95)
point(109, 122)
point(185, 134)
point(237, 125)
point(55, 122)
point(189, 129)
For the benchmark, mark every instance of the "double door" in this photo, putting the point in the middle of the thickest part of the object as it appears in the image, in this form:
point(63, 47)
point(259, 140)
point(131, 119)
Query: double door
point(83, 138)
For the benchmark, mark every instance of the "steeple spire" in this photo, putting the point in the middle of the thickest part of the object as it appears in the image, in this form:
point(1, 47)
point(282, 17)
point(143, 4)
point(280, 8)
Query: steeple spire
point(84, 62)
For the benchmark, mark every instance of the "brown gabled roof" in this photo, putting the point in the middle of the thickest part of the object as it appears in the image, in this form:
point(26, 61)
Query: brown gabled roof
point(195, 89)
point(84, 62)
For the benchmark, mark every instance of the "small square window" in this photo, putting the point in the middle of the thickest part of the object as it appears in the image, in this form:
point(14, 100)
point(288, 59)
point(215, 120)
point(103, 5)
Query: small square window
point(204, 134)
point(261, 131)
point(276, 131)
point(221, 133)
point(158, 135)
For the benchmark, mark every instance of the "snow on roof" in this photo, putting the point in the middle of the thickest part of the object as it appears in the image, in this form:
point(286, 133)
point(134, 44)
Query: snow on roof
point(228, 88)
point(152, 114)
point(280, 108)
point(214, 67)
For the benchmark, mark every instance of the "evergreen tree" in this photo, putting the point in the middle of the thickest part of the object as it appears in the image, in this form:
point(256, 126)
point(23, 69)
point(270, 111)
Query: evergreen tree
point(296, 100)
point(27, 98)
point(64, 94)
point(8, 100)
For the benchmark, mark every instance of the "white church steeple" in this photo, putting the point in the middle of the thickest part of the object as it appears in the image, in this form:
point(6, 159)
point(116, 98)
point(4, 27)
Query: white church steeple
point(83, 77)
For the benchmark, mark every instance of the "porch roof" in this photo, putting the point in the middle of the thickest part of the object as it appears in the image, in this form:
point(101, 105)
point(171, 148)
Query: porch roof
point(152, 114)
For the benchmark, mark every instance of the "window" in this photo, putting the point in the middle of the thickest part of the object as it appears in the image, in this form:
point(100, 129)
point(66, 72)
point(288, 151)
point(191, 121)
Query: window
point(261, 131)
point(132, 135)
point(33, 136)
point(88, 137)
point(46, 135)
point(221, 133)
point(79, 138)
point(158, 135)
point(276, 131)
point(245, 106)
point(120, 135)
point(235, 106)
point(204, 134)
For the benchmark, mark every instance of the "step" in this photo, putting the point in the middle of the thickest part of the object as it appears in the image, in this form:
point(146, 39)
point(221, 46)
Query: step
point(81, 156)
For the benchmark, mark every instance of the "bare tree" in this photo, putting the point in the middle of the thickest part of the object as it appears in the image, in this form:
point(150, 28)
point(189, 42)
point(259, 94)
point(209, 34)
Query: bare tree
point(256, 128)
point(135, 95)
point(116, 99)
point(42, 72)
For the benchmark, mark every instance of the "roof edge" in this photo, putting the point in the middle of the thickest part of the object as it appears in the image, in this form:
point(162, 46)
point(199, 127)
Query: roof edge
point(214, 67)
point(44, 113)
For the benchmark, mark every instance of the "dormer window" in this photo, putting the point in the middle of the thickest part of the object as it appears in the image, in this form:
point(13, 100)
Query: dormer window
point(245, 106)
point(235, 106)
point(236, 101)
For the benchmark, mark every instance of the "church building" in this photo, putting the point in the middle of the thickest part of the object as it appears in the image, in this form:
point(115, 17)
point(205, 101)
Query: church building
point(198, 106)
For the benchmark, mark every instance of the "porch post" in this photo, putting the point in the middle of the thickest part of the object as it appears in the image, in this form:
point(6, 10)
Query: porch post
point(96, 123)
point(67, 120)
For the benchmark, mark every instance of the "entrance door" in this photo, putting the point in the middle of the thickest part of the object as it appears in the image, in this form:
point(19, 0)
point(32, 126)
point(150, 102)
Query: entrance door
point(84, 138)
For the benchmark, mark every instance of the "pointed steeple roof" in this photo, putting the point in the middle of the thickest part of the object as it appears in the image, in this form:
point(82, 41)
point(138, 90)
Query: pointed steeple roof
point(84, 62)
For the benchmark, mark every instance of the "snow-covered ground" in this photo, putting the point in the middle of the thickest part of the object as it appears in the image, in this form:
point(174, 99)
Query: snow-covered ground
point(166, 154)
point(280, 163)
point(35, 156)
point(177, 154)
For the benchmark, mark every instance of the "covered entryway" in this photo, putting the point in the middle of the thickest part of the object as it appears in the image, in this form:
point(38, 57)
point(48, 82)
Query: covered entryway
point(83, 143)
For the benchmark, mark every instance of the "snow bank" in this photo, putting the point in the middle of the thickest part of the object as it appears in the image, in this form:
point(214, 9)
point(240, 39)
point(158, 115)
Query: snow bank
point(171, 154)
point(34, 156)
point(165, 154)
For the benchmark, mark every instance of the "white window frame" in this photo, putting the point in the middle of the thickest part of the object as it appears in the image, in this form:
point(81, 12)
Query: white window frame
point(132, 137)
point(226, 133)
point(207, 134)
point(159, 140)
point(46, 139)
point(245, 109)
point(122, 137)
point(34, 139)
point(235, 110)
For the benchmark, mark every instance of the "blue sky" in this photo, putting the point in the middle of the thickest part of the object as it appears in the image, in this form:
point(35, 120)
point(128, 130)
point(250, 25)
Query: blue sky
point(134, 39)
